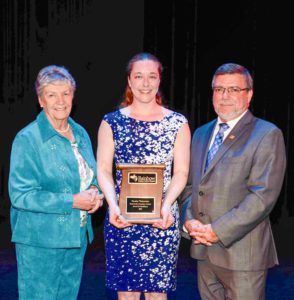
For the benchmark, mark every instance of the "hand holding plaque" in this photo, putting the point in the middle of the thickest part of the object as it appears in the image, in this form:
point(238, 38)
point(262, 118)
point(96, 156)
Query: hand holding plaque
point(141, 192)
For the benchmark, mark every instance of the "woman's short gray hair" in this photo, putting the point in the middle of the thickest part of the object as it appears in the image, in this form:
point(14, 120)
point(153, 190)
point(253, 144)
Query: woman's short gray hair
point(51, 74)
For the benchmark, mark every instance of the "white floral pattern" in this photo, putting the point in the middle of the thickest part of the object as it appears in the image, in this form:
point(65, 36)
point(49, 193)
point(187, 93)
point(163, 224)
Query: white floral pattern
point(86, 176)
point(140, 257)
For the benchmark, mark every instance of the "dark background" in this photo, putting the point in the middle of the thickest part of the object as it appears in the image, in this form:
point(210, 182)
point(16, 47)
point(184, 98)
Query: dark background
point(95, 40)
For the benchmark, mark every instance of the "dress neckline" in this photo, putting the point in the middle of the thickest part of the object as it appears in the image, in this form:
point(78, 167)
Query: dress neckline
point(153, 121)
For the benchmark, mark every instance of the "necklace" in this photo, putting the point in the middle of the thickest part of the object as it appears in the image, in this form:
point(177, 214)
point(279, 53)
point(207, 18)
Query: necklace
point(63, 131)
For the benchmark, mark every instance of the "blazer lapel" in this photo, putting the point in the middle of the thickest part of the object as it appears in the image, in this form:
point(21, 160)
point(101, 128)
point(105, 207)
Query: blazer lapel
point(231, 139)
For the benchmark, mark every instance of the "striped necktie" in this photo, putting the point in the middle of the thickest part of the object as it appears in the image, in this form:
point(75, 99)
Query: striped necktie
point(216, 143)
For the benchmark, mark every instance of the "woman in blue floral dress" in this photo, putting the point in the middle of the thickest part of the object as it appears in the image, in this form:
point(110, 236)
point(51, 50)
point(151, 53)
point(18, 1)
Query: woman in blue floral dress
point(142, 258)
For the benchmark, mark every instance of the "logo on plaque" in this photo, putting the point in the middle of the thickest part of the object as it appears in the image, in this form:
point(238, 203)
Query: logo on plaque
point(141, 192)
point(147, 178)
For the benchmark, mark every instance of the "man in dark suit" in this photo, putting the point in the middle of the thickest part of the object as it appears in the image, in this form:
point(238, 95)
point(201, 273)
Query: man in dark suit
point(237, 169)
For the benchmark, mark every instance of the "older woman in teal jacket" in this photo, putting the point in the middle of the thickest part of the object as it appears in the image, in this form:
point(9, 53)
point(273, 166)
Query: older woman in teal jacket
point(52, 187)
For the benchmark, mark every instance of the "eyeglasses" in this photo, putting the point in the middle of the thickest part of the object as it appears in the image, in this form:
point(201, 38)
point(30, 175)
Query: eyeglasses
point(233, 90)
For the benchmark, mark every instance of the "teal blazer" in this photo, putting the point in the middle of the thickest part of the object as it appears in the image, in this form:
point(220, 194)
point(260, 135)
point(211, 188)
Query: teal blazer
point(43, 177)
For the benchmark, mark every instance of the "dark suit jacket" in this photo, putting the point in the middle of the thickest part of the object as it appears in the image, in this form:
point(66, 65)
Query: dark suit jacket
point(237, 193)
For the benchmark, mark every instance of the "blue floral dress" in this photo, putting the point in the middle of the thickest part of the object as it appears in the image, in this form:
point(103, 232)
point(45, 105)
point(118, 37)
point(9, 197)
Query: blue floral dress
point(140, 257)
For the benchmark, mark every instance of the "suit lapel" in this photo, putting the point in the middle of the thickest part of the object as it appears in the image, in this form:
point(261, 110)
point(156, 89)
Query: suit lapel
point(230, 140)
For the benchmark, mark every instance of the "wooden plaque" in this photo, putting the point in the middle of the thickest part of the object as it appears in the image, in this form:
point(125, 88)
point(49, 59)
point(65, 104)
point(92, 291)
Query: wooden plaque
point(141, 191)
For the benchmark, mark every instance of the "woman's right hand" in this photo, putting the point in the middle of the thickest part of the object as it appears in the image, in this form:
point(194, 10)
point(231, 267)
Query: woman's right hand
point(116, 219)
point(85, 200)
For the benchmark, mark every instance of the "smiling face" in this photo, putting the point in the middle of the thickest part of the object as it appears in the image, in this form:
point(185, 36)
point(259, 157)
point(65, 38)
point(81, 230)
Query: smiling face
point(229, 106)
point(56, 100)
point(144, 81)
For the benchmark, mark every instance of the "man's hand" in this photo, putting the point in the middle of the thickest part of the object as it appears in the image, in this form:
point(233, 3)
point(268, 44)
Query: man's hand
point(201, 233)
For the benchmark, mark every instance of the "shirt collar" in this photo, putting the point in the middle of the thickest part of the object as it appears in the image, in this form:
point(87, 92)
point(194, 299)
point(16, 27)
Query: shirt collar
point(47, 131)
point(231, 123)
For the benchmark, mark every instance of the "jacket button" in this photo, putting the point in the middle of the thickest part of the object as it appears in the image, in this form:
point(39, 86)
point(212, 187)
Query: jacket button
point(201, 214)
point(201, 193)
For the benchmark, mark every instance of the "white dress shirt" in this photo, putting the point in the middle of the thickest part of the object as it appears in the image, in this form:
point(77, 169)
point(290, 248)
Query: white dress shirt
point(231, 124)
